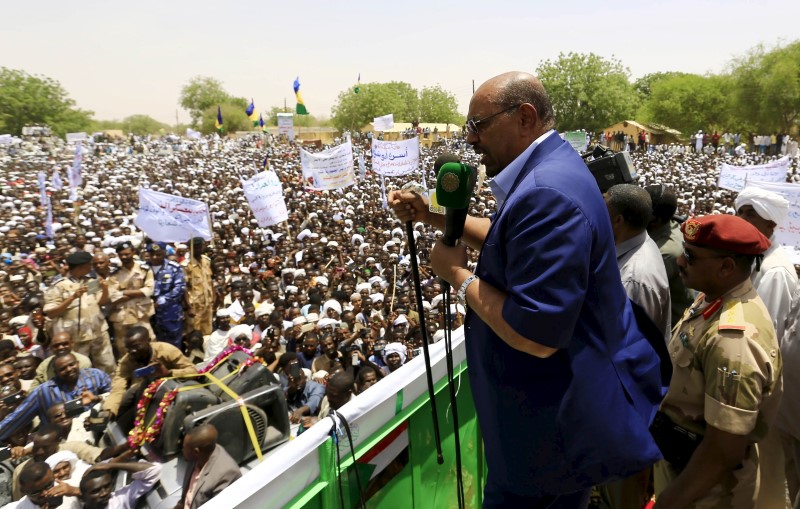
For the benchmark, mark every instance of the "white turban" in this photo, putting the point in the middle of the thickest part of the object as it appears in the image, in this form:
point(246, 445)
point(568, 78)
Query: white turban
point(397, 348)
point(767, 204)
point(60, 457)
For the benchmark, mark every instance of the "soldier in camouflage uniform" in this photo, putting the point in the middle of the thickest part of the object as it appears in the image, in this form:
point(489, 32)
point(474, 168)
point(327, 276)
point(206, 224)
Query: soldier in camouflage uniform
point(73, 302)
point(199, 293)
point(130, 290)
point(726, 383)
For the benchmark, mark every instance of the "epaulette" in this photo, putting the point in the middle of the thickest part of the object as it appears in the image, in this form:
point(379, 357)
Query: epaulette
point(57, 279)
point(113, 271)
point(173, 263)
point(732, 316)
point(144, 265)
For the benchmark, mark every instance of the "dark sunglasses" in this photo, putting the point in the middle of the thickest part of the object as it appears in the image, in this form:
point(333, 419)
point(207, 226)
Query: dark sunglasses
point(691, 258)
point(474, 124)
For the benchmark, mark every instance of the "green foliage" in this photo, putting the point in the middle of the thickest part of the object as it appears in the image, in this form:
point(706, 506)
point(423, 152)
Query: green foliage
point(27, 99)
point(587, 91)
point(233, 119)
point(688, 102)
point(136, 124)
point(644, 84)
point(766, 88)
point(200, 94)
point(271, 118)
point(431, 104)
point(439, 106)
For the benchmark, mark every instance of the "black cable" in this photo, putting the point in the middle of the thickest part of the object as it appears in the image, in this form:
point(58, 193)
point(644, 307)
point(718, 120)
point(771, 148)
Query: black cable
point(338, 462)
point(412, 247)
point(448, 349)
point(334, 414)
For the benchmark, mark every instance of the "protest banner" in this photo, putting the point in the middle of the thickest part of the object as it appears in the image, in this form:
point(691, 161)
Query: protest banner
point(395, 158)
point(191, 133)
point(734, 178)
point(788, 233)
point(577, 139)
point(76, 137)
point(169, 218)
point(286, 125)
point(383, 123)
point(264, 194)
point(329, 169)
point(74, 173)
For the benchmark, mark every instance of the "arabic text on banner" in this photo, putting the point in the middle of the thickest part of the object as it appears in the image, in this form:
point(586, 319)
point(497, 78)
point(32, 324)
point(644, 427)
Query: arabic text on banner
point(169, 218)
point(394, 158)
point(383, 123)
point(733, 178)
point(788, 233)
point(264, 194)
point(577, 139)
point(76, 137)
point(286, 125)
point(329, 169)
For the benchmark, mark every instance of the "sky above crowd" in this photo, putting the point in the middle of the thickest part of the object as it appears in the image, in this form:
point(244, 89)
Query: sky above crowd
point(119, 58)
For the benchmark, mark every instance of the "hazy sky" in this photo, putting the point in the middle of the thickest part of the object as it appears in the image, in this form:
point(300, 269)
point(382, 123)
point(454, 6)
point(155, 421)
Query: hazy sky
point(120, 58)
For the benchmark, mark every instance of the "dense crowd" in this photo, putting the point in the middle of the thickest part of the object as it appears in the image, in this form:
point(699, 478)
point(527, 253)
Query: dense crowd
point(324, 300)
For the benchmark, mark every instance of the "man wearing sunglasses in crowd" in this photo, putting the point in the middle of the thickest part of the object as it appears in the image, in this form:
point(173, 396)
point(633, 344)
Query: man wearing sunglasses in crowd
point(726, 381)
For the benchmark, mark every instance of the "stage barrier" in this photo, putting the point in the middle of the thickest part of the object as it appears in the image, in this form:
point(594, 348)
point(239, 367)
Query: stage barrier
point(392, 431)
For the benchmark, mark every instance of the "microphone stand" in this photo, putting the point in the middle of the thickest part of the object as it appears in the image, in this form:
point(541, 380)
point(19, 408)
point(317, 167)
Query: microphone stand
point(412, 248)
point(448, 349)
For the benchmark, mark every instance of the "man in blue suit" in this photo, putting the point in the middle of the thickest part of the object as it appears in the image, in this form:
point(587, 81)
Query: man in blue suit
point(168, 296)
point(565, 384)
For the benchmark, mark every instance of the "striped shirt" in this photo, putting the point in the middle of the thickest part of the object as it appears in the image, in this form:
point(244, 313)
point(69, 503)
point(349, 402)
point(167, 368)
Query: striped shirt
point(48, 394)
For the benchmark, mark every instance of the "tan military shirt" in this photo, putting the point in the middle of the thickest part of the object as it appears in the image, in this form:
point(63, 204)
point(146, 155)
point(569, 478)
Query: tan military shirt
point(199, 289)
point(135, 310)
point(727, 374)
point(92, 321)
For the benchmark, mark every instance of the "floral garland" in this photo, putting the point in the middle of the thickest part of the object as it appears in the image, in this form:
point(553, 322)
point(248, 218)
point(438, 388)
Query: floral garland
point(141, 432)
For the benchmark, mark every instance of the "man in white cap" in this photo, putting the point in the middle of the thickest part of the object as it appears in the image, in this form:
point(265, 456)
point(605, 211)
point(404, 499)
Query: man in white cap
point(776, 284)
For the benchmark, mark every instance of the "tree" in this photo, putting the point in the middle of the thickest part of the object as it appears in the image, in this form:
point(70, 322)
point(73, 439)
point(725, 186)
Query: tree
point(271, 118)
point(766, 88)
point(587, 91)
point(353, 111)
point(200, 94)
point(439, 106)
point(233, 118)
point(644, 84)
point(689, 102)
point(27, 99)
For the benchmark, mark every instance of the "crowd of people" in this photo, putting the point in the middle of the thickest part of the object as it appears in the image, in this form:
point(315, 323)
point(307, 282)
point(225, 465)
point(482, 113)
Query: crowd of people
point(324, 300)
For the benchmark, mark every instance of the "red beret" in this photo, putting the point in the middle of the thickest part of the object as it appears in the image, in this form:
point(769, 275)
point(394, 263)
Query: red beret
point(725, 232)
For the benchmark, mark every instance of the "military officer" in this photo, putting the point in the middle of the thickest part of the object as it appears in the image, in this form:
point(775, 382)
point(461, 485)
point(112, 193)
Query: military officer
point(199, 289)
point(131, 289)
point(168, 296)
point(726, 383)
point(73, 303)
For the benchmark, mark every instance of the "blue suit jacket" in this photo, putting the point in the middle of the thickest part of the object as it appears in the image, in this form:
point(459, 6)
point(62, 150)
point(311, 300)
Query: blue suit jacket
point(580, 417)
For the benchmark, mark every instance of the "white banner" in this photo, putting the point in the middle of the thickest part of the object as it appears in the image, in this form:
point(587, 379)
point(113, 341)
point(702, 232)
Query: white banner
point(191, 133)
point(58, 185)
point(5, 139)
point(788, 233)
point(329, 169)
point(577, 139)
point(383, 123)
point(286, 125)
point(76, 137)
point(42, 178)
point(264, 194)
point(169, 218)
point(394, 158)
point(733, 178)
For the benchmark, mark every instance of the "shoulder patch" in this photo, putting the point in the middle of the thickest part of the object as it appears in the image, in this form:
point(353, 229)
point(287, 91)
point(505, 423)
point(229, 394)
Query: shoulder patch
point(732, 316)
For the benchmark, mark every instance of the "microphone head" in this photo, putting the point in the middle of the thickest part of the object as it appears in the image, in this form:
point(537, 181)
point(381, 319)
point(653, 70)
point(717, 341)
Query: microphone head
point(444, 159)
point(454, 185)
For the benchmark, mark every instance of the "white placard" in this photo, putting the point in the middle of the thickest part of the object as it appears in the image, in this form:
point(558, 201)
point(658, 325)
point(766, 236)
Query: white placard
point(394, 158)
point(191, 133)
point(264, 193)
point(169, 218)
point(286, 125)
point(383, 123)
point(5, 139)
point(788, 233)
point(329, 169)
point(76, 137)
point(733, 178)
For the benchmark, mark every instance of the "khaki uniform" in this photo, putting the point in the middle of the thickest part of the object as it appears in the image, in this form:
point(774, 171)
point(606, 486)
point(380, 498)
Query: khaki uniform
point(133, 312)
point(199, 295)
point(727, 374)
point(90, 333)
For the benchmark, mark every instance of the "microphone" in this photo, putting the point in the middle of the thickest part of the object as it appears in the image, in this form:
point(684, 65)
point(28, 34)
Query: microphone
point(454, 187)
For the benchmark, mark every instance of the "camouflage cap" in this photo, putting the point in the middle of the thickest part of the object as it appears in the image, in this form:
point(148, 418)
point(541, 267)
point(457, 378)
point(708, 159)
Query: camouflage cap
point(725, 232)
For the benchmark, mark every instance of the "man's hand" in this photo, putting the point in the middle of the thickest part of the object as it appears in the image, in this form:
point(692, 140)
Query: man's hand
point(18, 452)
point(308, 421)
point(446, 260)
point(161, 371)
point(80, 291)
point(88, 399)
point(62, 490)
point(408, 206)
point(296, 415)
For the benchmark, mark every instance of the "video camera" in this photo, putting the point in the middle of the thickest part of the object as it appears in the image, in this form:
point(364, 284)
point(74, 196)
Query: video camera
point(609, 168)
